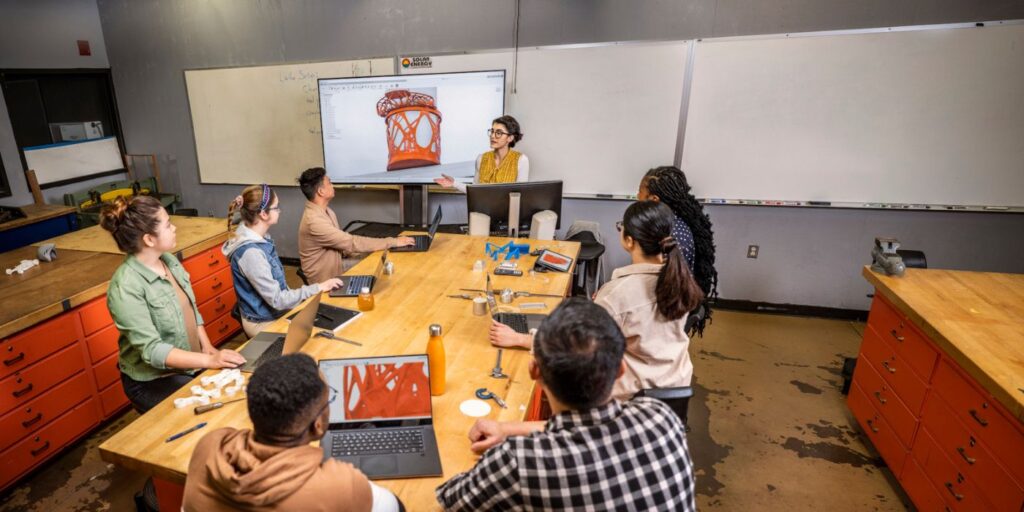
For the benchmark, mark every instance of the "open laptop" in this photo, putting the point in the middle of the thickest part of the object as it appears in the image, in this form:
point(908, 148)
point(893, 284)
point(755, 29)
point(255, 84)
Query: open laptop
point(350, 285)
point(423, 241)
point(380, 416)
point(519, 322)
point(270, 345)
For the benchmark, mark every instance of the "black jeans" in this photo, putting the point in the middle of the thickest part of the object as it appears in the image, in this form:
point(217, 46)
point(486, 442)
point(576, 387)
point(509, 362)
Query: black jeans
point(144, 395)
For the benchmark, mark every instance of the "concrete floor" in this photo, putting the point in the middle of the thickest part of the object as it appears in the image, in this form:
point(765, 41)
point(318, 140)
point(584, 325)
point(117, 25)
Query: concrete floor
point(770, 429)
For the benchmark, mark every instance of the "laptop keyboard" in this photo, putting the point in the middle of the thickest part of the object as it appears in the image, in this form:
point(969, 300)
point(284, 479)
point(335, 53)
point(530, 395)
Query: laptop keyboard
point(273, 352)
point(517, 321)
point(375, 442)
point(422, 242)
point(357, 283)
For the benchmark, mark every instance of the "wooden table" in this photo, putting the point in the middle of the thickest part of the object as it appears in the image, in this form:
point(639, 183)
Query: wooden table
point(407, 302)
point(195, 234)
point(976, 318)
point(37, 213)
point(40, 222)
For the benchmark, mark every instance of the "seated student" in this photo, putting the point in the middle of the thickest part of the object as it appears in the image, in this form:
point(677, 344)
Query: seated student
point(501, 164)
point(691, 228)
point(649, 299)
point(263, 294)
point(595, 452)
point(273, 466)
point(162, 339)
point(322, 243)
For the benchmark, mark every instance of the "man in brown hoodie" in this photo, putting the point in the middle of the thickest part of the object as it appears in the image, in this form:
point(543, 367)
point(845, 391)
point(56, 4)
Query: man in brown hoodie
point(273, 467)
point(322, 244)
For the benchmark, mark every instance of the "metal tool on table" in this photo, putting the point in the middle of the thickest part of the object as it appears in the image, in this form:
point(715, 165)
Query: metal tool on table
point(496, 372)
point(217, 405)
point(519, 293)
point(465, 296)
point(331, 336)
point(484, 394)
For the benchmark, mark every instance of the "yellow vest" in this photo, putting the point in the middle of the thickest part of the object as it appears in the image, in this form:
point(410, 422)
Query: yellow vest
point(507, 172)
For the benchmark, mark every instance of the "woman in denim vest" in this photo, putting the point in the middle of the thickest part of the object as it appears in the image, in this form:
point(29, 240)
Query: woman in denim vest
point(263, 295)
point(162, 340)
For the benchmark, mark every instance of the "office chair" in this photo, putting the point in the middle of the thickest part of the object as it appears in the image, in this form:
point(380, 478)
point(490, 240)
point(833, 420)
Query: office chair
point(586, 263)
point(302, 275)
point(678, 399)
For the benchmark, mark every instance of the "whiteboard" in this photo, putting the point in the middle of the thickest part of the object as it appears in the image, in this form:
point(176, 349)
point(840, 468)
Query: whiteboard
point(72, 160)
point(933, 116)
point(596, 117)
point(262, 124)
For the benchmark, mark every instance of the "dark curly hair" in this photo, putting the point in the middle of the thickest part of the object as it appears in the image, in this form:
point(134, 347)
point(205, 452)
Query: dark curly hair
point(283, 396)
point(513, 128)
point(669, 184)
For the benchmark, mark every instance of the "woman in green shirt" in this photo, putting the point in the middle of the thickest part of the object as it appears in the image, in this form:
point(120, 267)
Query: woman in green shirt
point(162, 340)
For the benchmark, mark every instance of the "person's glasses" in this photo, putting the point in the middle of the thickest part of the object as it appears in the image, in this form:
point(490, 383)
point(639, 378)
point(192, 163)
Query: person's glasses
point(272, 208)
point(618, 226)
point(497, 133)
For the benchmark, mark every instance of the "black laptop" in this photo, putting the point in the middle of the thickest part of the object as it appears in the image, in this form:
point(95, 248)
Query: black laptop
point(350, 285)
point(423, 241)
point(380, 416)
point(519, 322)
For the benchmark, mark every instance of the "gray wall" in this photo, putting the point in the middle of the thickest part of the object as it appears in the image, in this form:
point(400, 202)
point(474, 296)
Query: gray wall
point(808, 256)
point(43, 34)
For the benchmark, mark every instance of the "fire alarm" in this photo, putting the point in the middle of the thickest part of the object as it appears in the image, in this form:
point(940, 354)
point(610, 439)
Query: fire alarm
point(83, 48)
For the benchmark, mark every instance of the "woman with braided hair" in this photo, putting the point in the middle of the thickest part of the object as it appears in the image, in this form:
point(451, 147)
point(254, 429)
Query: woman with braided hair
point(691, 229)
point(263, 294)
point(649, 299)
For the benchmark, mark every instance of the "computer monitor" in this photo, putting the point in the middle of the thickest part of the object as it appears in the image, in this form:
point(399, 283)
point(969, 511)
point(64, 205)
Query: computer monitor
point(535, 196)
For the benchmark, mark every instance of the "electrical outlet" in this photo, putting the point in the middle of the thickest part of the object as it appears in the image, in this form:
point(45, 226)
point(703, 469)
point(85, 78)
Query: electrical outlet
point(752, 251)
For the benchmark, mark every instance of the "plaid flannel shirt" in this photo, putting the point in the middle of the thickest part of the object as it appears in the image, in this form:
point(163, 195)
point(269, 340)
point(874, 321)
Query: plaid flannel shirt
point(619, 456)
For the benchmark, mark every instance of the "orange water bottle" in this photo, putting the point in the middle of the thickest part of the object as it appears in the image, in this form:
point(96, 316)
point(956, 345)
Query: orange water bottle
point(435, 358)
point(365, 299)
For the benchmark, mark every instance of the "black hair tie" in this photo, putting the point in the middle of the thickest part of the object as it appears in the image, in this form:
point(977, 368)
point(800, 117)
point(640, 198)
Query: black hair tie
point(667, 244)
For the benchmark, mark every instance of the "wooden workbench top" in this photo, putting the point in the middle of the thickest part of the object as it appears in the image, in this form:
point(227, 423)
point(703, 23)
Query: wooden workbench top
point(40, 293)
point(407, 302)
point(195, 234)
point(37, 213)
point(976, 318)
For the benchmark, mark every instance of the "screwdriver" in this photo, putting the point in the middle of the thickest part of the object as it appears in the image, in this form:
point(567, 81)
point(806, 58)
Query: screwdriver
point(217, 405)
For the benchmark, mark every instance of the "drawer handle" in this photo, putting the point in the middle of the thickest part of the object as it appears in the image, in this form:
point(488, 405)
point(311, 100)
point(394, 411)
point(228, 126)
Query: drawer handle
point(33, 421)
point(871, 425)
point(14, 360)
point(878, 395)
point(958, 496)
point(214, 263)
point(887, 367)
point(41, 449)
point(218, 285)
point(981, 421)
point(963, 453)
point(897, 336)
point(223, 328)
point(221, 308)
point(22, 392)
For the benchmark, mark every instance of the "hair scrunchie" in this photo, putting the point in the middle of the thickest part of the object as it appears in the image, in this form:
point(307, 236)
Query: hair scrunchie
point(667, 244)
point(237, 201)
point(265, 201)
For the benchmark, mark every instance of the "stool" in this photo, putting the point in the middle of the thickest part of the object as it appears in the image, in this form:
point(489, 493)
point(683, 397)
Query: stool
point(586, 263)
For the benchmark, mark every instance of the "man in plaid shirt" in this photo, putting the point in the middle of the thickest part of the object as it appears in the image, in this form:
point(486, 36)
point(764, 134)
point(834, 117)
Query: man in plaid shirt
point(594, 453)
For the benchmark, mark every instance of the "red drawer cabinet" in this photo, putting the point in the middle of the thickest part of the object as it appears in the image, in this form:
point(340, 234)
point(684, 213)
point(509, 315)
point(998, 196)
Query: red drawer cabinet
point(36, 448)
point(218, 306)
point(213, 285)
point(113, 399)
point(205, 263)
point(35, 414)
point(31, 382)
point(222, 329)
point(29, 346)
point(103, 343)
point(966, 447)
point(95, 315)
point(107, 372)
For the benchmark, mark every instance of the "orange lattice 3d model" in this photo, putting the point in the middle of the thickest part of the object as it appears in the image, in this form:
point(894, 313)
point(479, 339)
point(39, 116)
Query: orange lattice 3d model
point(414, 128)
point(408, 394)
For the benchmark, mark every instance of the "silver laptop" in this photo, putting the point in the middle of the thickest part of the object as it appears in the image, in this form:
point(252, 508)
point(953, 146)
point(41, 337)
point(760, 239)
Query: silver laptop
point(423, 241)
point(271, 345)
point(519, 322)
point(350, 285)
point(380, 416)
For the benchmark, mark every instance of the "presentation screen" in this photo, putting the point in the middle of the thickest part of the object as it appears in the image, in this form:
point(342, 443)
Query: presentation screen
point(408, 128)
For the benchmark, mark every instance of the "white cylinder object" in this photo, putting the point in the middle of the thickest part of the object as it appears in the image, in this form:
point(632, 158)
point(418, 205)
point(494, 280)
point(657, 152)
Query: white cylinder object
point(479, 224)
point(543, 225)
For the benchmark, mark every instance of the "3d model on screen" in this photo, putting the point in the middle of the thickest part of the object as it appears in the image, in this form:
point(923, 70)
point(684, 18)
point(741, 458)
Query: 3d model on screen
point(386, 391)
point(413, 128)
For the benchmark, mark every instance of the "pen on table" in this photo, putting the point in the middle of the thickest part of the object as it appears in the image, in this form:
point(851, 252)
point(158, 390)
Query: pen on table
point(185, 432)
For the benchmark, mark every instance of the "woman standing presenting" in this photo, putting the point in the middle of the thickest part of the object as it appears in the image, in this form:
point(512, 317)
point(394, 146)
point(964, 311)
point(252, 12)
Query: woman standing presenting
point(501, 164)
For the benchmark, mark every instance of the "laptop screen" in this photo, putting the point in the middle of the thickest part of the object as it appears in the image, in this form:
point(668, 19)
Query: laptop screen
point(378, 391)
point(435, 223)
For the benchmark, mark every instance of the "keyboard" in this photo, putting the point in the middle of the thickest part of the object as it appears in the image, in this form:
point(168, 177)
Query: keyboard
point(517, 321)
point(272, 352)
point(357, 283)
point(422, 242)
point(376, 442)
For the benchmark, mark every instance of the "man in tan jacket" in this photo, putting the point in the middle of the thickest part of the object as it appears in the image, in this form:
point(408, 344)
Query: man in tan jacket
point(323, 246)
point(273, 467)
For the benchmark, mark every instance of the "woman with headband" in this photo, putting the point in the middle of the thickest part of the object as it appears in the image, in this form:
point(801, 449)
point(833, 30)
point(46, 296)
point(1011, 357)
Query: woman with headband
point(649, 299)
point(263, 295)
